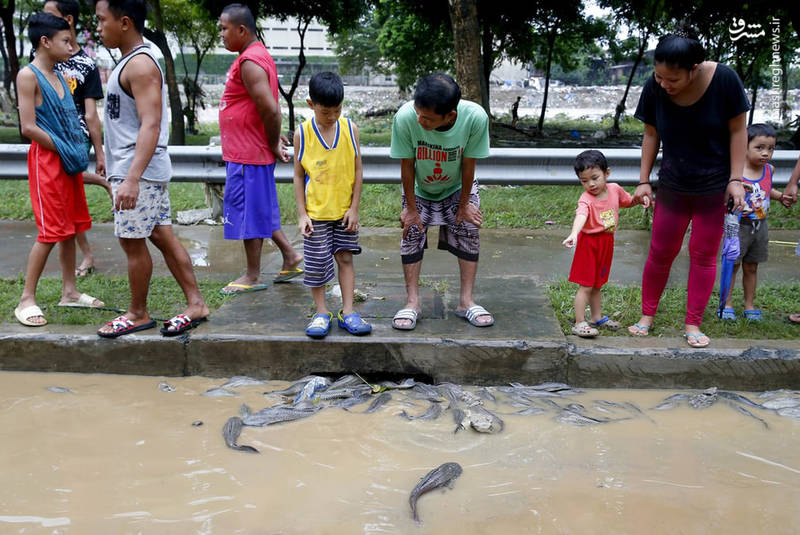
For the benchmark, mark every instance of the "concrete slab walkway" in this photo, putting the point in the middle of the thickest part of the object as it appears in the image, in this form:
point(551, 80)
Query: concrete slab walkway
point(261, 334)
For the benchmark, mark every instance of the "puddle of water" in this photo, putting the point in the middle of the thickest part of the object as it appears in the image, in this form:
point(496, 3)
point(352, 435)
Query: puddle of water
point(118, 455)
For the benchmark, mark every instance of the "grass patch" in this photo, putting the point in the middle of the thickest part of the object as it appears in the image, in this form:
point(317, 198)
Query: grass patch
point(527, 207)
point(624, 304)
point(164, 300)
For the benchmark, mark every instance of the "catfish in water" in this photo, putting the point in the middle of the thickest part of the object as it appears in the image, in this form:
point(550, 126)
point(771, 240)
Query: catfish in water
point(441, 476)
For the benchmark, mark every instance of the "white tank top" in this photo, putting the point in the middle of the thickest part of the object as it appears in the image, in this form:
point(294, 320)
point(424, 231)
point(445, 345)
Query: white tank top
point(121, 127)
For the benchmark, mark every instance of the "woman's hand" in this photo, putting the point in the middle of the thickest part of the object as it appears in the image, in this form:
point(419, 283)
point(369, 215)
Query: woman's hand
point(643, 195)
point(735, 191)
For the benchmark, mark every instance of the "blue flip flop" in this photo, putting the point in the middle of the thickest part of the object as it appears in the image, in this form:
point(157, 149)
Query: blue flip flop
point(354, 324)
point(319, 326)
point(730, 314)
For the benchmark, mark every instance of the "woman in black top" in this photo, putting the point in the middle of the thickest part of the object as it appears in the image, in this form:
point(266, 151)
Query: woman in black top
point(694, 109)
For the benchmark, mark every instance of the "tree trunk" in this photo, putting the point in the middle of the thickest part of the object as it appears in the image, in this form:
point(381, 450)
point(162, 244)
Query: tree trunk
point(178, 136)
point(6, 68)
point(551, 42)
point(467, 46)
point(302, 26)
point(753, 101)
point(621, 106)
point(7, 17)
point(487, 48)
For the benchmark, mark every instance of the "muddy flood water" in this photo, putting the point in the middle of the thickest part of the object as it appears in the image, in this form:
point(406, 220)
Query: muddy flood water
point(120, 454)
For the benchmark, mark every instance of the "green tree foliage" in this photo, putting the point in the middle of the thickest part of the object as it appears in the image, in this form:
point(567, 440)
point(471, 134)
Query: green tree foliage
point(642, 19)
point(156, 31)
point(416, 43)
point(192, 27)
point(337, 15)
point(558, 35)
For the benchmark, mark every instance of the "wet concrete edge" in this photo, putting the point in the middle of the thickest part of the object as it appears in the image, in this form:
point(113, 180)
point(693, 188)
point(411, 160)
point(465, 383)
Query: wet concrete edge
point(750, 368)
point(610, 363)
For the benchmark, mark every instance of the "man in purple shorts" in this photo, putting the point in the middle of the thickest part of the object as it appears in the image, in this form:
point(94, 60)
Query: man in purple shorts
point(250, 126)
point(438, 137)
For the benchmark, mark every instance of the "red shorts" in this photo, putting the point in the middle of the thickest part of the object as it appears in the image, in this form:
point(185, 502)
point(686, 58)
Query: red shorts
point(58, 199)
point(592, 261)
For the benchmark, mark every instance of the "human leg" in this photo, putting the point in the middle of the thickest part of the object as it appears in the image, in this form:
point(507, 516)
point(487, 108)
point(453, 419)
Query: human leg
point(347, 279)
point(87, 264)
point(291, 258)
point(180, 265)
point(708, 212)
point(70, 296)
point(582, 297)
point(37, 259)
point(412, 248)
point(729, 298)
point(749, 282)
point(670, 221)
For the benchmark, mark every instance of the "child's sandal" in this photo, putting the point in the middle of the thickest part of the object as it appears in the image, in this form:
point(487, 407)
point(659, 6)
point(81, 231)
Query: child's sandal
point(584, 330)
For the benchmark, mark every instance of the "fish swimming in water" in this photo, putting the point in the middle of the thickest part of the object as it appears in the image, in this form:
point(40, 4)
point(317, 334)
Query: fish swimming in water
point(378, 402)
point(441, 476)
point(219, 392)
point(241, 380)
point(433, 412)
point(60, 389)
point(278, 414)
point(231, 431)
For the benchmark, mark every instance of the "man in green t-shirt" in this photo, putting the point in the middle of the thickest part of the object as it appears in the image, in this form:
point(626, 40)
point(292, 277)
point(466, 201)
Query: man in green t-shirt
point(438, 137)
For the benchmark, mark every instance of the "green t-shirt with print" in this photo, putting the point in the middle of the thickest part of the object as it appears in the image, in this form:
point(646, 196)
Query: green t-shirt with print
point(437, 155)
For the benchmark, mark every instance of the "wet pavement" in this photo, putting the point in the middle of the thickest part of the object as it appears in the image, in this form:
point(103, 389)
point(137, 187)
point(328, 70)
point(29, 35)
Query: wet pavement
point(261, 334)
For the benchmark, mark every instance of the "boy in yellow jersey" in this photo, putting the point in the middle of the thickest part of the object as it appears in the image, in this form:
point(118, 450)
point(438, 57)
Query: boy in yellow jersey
point(327, 188)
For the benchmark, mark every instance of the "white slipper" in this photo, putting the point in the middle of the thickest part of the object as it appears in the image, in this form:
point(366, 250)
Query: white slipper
point(473, 313)
point(24, 315)
point(84, 301)
point(406, 314)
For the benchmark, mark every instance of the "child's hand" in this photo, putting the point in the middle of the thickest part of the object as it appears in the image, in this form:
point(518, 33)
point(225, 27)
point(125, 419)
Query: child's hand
point(786, 200)
point(571, 240)
point(646, 202)
point(350, 220)
point(305, 225)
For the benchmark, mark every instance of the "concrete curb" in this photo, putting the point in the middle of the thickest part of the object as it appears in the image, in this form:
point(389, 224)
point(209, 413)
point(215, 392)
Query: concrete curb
point(749, 366)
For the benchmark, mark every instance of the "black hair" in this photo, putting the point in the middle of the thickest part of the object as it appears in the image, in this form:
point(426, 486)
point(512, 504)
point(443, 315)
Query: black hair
point(680, 49)
point(66, 8)
point(44, 25)
point(326, 89)
point(588, 159)
point(240, 14)
point(437, 92)
point(760, 129)
point(136, 10)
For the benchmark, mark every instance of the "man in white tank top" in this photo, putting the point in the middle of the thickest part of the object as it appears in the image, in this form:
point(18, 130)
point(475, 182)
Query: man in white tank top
point(138, 166)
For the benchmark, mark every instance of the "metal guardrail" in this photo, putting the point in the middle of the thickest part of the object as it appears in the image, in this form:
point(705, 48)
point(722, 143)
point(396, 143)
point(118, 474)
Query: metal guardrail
point(504, 166)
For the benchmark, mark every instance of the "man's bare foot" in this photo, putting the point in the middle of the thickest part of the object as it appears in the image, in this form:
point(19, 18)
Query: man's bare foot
point(291, 262)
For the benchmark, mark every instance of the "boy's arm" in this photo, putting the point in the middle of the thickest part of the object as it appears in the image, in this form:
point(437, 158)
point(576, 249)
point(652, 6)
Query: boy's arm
point(409, 216)
point(27, 86)
point(95, 135)
point(303, 221)
point(466, 210)
point(256, 82)
point(351, 217)
point(142, 79)
point(790, 192)
point(577, 225)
